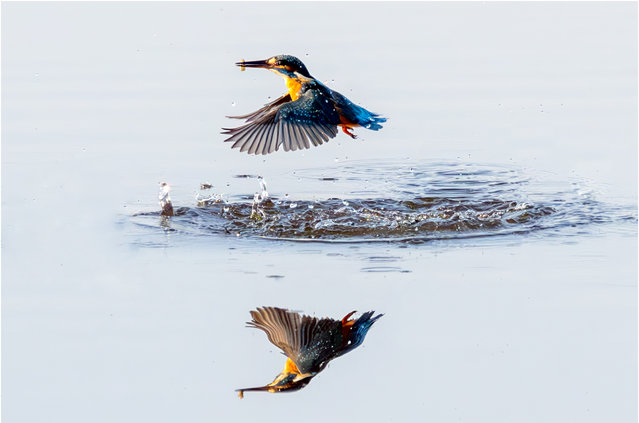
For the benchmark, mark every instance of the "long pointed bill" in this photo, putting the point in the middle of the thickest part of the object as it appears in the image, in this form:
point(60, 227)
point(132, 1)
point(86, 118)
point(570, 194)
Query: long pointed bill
point(253, 64)
point(240, 392)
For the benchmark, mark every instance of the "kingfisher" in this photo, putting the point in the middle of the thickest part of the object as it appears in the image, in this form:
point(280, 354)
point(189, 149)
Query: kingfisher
point(308, 342)
point(307, 114)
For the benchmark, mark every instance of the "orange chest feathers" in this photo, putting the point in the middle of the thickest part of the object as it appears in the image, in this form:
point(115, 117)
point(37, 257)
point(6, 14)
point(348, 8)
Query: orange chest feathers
point(293, 85)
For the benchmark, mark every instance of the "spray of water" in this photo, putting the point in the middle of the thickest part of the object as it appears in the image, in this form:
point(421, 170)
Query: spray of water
point(257, 213)
point(406, 205)
point(164, 197)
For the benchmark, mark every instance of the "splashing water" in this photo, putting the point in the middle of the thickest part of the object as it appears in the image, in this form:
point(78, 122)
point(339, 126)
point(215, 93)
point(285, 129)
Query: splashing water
point(164, 199)
point(403, 203)
point(256, 211)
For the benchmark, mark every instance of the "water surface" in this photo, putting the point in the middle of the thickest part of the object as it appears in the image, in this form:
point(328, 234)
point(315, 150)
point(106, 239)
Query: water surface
point(398, 202)
point(492, 220)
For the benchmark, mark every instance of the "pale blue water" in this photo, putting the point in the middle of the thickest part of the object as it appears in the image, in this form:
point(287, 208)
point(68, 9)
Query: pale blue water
point(492, 220)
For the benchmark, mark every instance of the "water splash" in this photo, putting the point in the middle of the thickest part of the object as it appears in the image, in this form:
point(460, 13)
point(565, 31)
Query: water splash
point(164, 198)
point(402, 203)
point(257, 213)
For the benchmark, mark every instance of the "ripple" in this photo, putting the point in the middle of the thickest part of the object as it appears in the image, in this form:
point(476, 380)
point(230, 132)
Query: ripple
point(396, 202)
point(384, 269)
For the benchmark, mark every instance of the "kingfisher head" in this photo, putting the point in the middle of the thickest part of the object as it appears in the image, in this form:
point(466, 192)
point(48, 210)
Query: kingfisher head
point(283, 64)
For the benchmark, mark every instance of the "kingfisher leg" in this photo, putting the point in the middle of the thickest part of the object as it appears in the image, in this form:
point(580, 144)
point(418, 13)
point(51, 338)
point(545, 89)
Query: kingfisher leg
point(349, 133)
point(345, 321)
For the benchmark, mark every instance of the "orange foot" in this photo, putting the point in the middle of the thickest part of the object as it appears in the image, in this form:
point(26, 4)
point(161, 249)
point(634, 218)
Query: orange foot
point(345, 321)
point(349, 133)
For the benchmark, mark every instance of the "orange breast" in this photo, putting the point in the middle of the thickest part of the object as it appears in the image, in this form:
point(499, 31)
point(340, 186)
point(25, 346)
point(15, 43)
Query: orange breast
point(290, 367)
point(294, 87)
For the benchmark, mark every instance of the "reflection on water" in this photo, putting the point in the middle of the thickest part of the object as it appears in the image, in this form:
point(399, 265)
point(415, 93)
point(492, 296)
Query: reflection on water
point(308, 342)
point(400, 203)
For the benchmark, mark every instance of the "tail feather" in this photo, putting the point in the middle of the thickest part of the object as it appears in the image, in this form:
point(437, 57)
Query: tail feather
point(357, 114)
point(368, 120)
point(374, 122)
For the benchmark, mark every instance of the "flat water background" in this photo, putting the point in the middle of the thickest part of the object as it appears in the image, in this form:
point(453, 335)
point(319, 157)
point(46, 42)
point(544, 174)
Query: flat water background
point(492, 220)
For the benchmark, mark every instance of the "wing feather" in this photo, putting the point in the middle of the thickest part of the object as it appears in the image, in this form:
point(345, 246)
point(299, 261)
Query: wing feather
point(306, 340)
point(256, 135)
point(290, 144)
point(317, 140)
point(248, 138)
point(298, 124)
point(262, 111)
point(302, 141)
point(274, 139)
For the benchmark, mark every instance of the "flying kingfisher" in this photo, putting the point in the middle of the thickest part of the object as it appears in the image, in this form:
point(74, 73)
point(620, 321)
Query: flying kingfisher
point(308, 114)
point(308, 342)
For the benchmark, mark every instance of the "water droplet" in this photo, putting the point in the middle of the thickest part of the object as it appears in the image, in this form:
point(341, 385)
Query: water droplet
point(264, 193)
point(232, 104)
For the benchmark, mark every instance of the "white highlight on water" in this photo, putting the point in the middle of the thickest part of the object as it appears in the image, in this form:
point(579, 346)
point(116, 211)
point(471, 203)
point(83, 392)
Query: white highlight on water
point(165, 199)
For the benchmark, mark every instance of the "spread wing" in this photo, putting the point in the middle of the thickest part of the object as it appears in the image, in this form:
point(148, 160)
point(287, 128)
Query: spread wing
point(307, 341)
point(261, 112)
point(294, 125)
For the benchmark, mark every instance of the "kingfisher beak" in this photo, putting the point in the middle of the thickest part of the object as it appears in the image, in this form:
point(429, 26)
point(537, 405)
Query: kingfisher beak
point(240, 392)
point(254, 64)
point(283, 382)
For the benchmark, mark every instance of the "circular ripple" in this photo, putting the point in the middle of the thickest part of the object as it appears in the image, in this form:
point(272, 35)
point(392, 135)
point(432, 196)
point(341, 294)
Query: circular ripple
point(391, 202)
